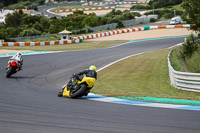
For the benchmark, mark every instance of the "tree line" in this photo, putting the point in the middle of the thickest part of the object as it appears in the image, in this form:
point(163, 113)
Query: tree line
point(157, 4)
point(19, 24)
point(164, 3)
point(20, 4)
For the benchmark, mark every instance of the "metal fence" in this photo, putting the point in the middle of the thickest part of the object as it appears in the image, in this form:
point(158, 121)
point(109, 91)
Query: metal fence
point(19, 39)
point(183, 80)
point(140, 20)
point(97, 28)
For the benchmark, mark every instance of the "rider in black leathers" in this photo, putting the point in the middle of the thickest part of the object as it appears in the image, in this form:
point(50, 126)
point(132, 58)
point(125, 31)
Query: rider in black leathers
point(91, 72)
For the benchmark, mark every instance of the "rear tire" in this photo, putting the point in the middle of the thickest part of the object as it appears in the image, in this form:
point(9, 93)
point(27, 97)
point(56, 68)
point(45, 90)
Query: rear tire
point(80, 92)
point(9, 72)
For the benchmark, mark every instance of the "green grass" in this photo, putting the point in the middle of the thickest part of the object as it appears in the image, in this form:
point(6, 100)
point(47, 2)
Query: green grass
point(176, 61)
point(79, 46)
point(189, 65)
point(144, 75)
point(176, 7)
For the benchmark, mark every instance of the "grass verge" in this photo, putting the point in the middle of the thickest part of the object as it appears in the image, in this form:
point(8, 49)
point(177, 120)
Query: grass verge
point(143, 75)
point(80, 46)
point(190, 64)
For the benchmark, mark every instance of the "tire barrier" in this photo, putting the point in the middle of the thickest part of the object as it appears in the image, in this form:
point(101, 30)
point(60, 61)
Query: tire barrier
point(84, 9)
point(57, 42)
point(104, 3)
point(114, 32)
point(183, 80)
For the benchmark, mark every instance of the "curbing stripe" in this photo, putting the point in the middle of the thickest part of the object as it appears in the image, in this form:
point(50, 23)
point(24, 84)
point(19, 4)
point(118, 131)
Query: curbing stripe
point(190, 108)
point(34, 53)
point(57, 42)
point(84, 9)
point(114, 32)
point(129, 102)
point(101, 98)
point(100, 3)
point(96, 8)
point(28, 53)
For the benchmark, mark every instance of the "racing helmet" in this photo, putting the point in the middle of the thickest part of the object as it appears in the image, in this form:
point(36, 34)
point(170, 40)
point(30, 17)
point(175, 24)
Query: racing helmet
point(93, 68)
point(19, 53)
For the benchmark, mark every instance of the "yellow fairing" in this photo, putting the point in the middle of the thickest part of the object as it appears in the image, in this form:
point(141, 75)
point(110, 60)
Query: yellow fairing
point(66, 93)
point(90, 81)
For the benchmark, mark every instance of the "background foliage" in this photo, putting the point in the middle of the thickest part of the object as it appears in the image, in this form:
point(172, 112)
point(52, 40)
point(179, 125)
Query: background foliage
point(20, 24)
point(164, 3)
point(20, 4)
point(192, 13)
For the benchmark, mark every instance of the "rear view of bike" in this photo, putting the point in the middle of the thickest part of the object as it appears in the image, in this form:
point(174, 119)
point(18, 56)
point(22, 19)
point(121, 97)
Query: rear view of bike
point(12, 68)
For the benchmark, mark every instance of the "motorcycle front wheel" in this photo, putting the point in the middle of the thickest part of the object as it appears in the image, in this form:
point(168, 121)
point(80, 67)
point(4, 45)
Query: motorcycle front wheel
point(60, 94)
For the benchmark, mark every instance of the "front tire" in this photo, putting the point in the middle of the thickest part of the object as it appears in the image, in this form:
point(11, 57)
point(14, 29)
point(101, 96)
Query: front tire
point(9, 72)
point(60, 94)
point(80, 92)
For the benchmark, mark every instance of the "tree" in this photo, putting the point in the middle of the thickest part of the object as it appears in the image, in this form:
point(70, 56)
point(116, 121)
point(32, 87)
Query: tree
point(163, 3)
point(192, 12)
point(90, 21)
point(13, 20)
point(53, 29)
point(113, 13)
point(29, 32)
point(128, 15)
point(189, 47)
point(2, 33)
point(8, 2)
point(41, 2)
point(38, 26)
point(20, 3)
point(45, 24)
point(30, 20)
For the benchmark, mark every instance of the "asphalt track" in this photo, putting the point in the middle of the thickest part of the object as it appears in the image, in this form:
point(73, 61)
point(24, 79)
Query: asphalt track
point(29, 102)
point(43, 9)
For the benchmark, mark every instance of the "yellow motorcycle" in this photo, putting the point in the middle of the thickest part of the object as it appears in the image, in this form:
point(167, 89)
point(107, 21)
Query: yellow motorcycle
point(78, 88)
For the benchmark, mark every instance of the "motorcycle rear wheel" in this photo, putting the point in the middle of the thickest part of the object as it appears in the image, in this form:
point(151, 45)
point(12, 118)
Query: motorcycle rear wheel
point(80, 92)
point(9, 72)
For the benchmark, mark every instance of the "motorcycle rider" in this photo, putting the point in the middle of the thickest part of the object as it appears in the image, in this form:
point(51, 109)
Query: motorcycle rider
point(90, 72)
point(72, 84)
point(17, 57)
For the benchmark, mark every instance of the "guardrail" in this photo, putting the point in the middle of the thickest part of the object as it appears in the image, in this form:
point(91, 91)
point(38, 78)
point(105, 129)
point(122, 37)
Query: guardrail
point(183, 80)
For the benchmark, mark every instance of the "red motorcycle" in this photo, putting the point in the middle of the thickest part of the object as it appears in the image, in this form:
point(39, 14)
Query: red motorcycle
point(12, 68)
